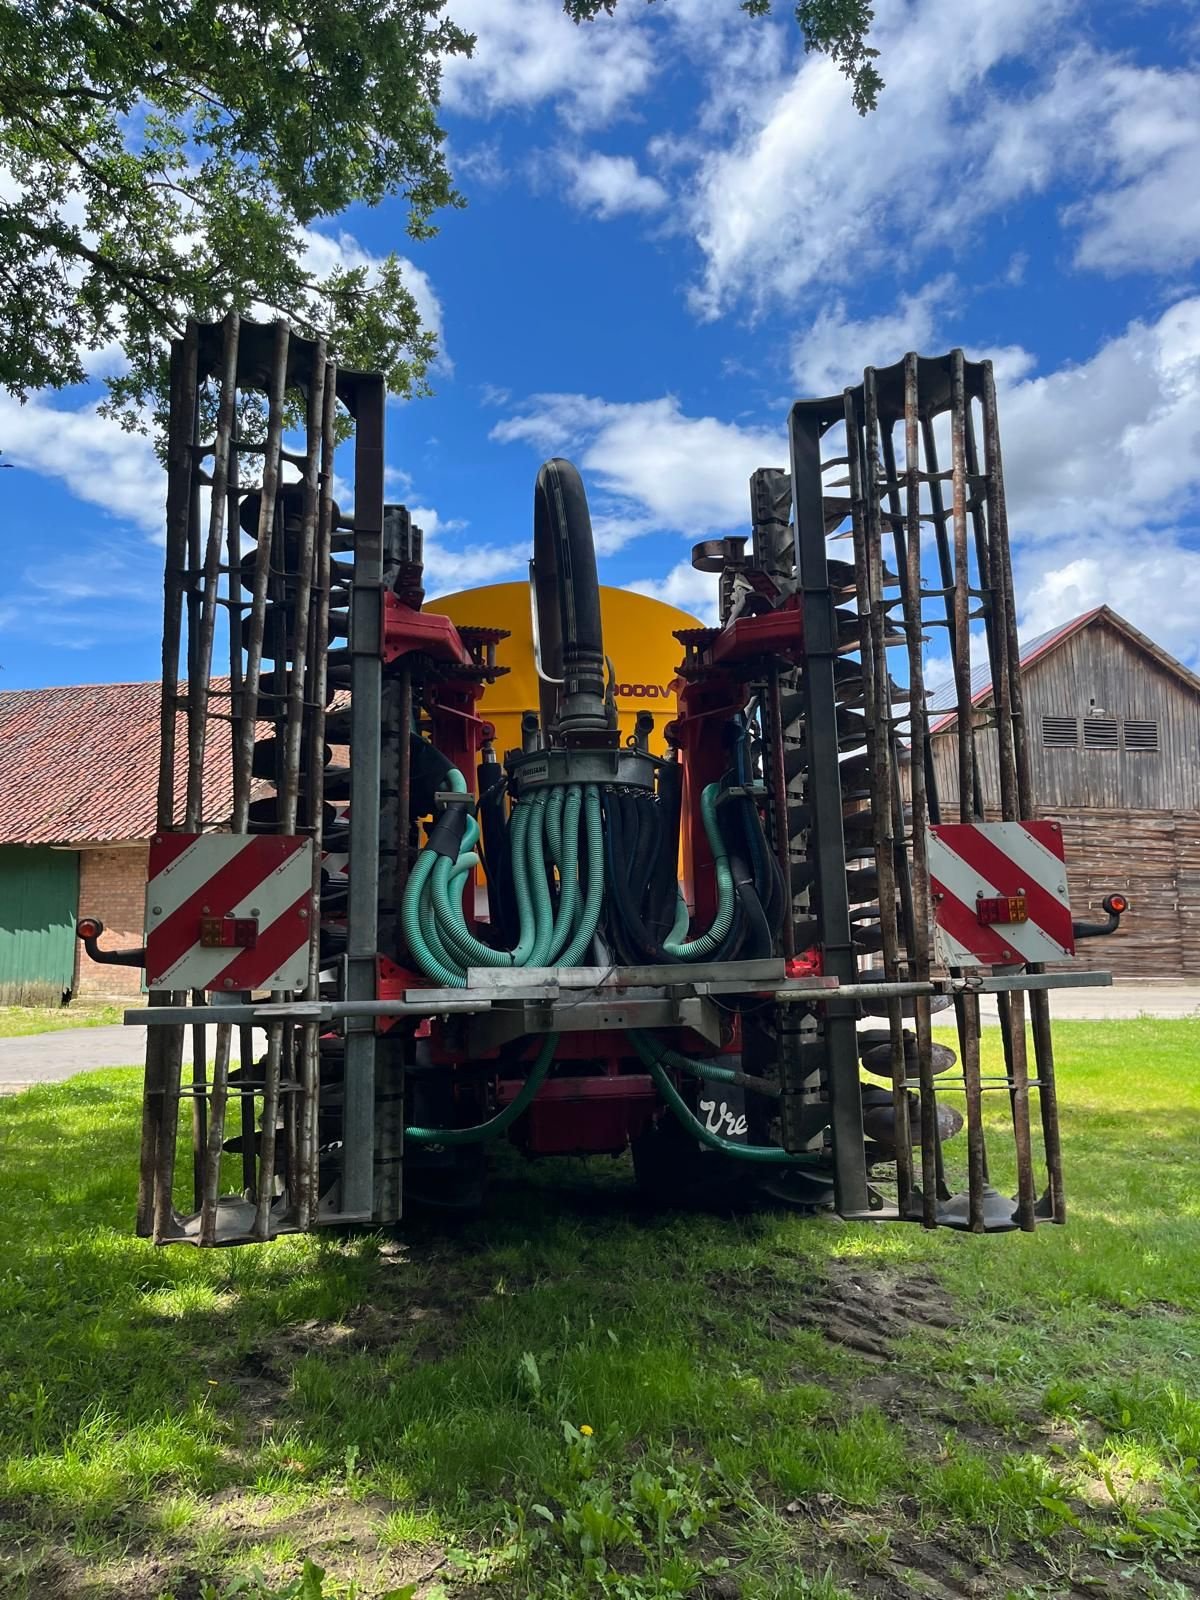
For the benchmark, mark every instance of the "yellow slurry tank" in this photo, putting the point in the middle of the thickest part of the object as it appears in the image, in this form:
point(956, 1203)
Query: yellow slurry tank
point(639, 635)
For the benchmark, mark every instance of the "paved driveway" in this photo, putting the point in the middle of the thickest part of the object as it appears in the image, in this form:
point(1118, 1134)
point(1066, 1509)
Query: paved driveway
point(51, 1057)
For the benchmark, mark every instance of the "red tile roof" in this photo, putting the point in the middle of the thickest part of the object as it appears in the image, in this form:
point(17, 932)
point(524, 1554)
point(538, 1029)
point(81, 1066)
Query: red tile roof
point(81, 764)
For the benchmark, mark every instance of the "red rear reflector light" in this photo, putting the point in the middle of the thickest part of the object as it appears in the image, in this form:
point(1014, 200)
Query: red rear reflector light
point(807, 964)
point(228, 933)
point(1001, 908)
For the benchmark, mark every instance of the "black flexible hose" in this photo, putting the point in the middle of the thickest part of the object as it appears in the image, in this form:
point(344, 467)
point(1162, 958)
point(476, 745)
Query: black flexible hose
point(633, 929)
point(664, 880)
point(644, 812)
point(497, 855)
point(568, 598)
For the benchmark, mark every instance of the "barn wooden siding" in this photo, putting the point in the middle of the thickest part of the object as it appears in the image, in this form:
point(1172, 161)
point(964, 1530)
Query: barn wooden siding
point(1095, 670)
point(1130, 818)
point(1151, 857)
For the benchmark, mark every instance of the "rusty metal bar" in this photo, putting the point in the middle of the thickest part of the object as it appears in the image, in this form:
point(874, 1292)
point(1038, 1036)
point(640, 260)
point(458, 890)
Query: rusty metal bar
point(201, 665)
point(164, 1047)
point(960, 637)
point(779, 803)
point(1039, 1005)
point(244, 751)
point(918, 956)
point(869, 567)
point(210, 1186)
point(322, 412)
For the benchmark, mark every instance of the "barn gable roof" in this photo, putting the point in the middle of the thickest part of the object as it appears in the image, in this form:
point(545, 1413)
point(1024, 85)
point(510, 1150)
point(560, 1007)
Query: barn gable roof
point(80, 765)
point(943, 700)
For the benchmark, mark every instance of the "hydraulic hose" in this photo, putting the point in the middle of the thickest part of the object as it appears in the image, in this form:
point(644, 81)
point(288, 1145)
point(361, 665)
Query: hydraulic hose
point(567, 861)
point(589, 921)
point(763, 1154)
point(503, 1120)
point(707, 943)
point(432, 961)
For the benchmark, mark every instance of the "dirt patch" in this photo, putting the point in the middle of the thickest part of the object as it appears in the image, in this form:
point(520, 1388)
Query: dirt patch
point(338, 1533)
point(867, 1311)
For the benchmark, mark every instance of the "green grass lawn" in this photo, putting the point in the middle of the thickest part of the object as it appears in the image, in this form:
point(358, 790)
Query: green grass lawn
point(16, 1021)
point(573, 1398)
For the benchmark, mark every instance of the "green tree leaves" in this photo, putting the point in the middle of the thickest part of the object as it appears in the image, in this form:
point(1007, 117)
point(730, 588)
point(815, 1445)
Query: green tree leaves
point(160, 159)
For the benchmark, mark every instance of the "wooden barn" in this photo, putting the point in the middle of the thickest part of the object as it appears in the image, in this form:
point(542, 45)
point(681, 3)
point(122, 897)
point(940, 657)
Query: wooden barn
point(1114, 729)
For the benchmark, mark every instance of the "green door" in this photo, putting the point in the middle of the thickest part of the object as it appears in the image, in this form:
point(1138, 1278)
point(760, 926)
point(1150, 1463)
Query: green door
point(39, 895)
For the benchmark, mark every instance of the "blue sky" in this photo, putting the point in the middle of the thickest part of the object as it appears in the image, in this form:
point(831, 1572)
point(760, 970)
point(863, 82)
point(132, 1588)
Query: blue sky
point(676, 225)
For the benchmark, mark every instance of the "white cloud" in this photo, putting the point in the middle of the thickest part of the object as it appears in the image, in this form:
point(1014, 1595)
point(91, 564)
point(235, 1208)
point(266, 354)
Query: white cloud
point(683, 586)
point(451, 565)
point(804, 192)
point(809, 191)
point(609, 185)
point(666, 470)
point(1150, 217)
point(98, 461)
point(1099, 447)
point(1102, 470)
point(1152, 580)
point(528, 52)
point(835, 350)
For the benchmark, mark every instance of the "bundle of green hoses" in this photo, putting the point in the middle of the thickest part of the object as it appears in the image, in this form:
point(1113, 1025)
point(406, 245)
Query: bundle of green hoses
point(550, 828)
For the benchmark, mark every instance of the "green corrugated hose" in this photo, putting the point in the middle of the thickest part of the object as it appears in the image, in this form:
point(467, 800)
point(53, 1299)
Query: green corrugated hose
point(503, 1119)
point(696, 949)
point(765, 1154)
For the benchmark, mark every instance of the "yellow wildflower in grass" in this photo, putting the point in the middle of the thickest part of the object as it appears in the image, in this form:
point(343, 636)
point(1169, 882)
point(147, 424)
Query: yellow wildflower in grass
point(586, 1431)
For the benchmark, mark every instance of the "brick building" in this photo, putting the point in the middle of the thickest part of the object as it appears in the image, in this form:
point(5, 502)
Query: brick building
point(78, 781)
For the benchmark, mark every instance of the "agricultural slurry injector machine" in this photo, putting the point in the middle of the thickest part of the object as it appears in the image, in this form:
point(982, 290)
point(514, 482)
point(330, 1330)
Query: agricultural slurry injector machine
point(582, 946)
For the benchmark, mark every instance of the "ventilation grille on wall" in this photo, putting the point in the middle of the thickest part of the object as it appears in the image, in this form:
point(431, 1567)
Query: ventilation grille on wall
point(1100, 733)
point(1140, 735)
point(1060, 733)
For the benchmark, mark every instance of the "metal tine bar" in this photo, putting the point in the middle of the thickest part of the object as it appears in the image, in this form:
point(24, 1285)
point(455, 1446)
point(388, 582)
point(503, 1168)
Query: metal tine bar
point(261, 1228)
point(249, 1163)
point(244, 753)
point(1026, 1195)
point(198, 683)
point(322, 419)
point(868, 566)
point(950, 587)
point(164, 1047)
point(289, 795)
point(900, 551)
point(778, 798)
point(967, 1008)
point(241, 801)
point(210, 1187)
point(918, 956)
point(966, 1015)
point(980, 515)
point(202, 619)
point(254, 646)
point(1039, 1004)
point(968, 798)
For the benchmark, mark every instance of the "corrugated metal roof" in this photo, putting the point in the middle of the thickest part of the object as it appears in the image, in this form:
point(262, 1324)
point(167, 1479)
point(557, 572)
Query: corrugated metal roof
point(943, 702)
point(80, 765)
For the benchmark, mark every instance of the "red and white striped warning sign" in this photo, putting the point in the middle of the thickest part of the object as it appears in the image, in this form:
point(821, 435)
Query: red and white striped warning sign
point(228, 911)
point(1000, 893)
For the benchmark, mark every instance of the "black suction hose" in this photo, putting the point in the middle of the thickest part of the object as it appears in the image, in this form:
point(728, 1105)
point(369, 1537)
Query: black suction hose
point(664, 879)
point(568, 599)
